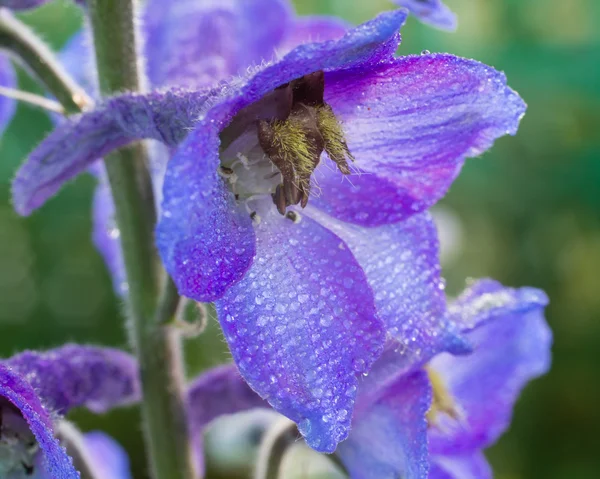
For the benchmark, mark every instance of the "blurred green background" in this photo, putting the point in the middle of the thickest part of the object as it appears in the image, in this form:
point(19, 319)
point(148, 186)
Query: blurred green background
point(526, 213)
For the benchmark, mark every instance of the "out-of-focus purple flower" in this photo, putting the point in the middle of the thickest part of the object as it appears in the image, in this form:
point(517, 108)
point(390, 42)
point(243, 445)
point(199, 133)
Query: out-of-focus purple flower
point(294, 291)
point(21, 4)
point(432, 12)
point(7, 80)
point(397, 430)
point(108, 459)
point(36, 388)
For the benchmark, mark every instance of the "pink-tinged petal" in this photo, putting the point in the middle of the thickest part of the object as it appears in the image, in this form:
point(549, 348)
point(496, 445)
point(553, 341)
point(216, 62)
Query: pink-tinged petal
point(511, 347)
point(108, 458)
point(7, 80)
point(402, 266)
point(389, 436)
point(191, 43)
point(79, 141)
point(23, 396)
point(72, 376)
point(410, 123)
point(432, 12)
point(305, 314)
point(468, 466)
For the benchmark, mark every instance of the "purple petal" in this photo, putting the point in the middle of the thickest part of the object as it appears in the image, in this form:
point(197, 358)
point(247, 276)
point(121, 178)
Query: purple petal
point(205, 241)
point(468, 466)
point(301, 324)
point(410, 124)
point(7, 80)
point(402, 267)
point(217, 392)
point(389, 437)
point(313, 29)
point(15, 389)
point(487, 300)
point(21, 4)
point(80, 141)
point(72, 376)
point(432, 12)
point(106, 236)
point(511, 347)
point(192, 44)
point(109, 459)
point(77, 56)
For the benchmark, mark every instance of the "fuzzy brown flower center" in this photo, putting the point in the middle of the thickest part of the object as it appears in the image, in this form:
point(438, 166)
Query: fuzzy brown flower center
point(281, 139)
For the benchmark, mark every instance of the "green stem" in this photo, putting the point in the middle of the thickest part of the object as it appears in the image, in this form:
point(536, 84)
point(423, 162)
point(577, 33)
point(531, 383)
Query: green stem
point(157, 346)
point(275, 444)
point(26, 47)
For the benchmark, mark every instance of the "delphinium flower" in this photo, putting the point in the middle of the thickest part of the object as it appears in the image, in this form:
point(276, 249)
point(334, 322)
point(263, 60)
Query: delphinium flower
point(431, 422)
point(306, 297)
point(38, 388)
point(433, 12)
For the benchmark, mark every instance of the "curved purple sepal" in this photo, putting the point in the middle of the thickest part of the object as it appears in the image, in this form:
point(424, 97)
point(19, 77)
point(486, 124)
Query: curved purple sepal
point(432, 12)
point(410, 123)
point(304, 312)
point(195, 44)
point(389, 436)
point(108, 458)
point(78, 142)
point(402, 267)
point(23, 395)
point(511, 347)
point(72, 376)
point(468, 466)
point(206, 242)
point(8, 79)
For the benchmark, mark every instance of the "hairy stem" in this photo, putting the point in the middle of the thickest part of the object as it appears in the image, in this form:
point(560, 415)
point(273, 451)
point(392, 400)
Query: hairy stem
point(25, 47)
point(157, 346)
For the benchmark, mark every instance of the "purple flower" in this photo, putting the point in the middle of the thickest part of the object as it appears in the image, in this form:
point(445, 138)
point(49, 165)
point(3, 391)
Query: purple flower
point(433, 12)
point(108, 459)
point(21, 4)
point(305, 298)
point(7, 80)
point(37, 388)
point(397, 430)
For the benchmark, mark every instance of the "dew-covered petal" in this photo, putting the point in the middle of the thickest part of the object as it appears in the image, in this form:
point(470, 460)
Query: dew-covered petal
point(432, 12)
point(108, 458)
point(205, 240)
point(401, 262)
point(410, 123)
point(191, 43)
point(389, 437)
point(72, 376)
point(23, 395)
point(511, 347)
point(313, 29)
point(304, 314)
point(467, 466)
point(7, 80)
point(79, 141)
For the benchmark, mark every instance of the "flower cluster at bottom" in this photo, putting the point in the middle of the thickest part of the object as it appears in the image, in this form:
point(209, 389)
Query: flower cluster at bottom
point(412, 419)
